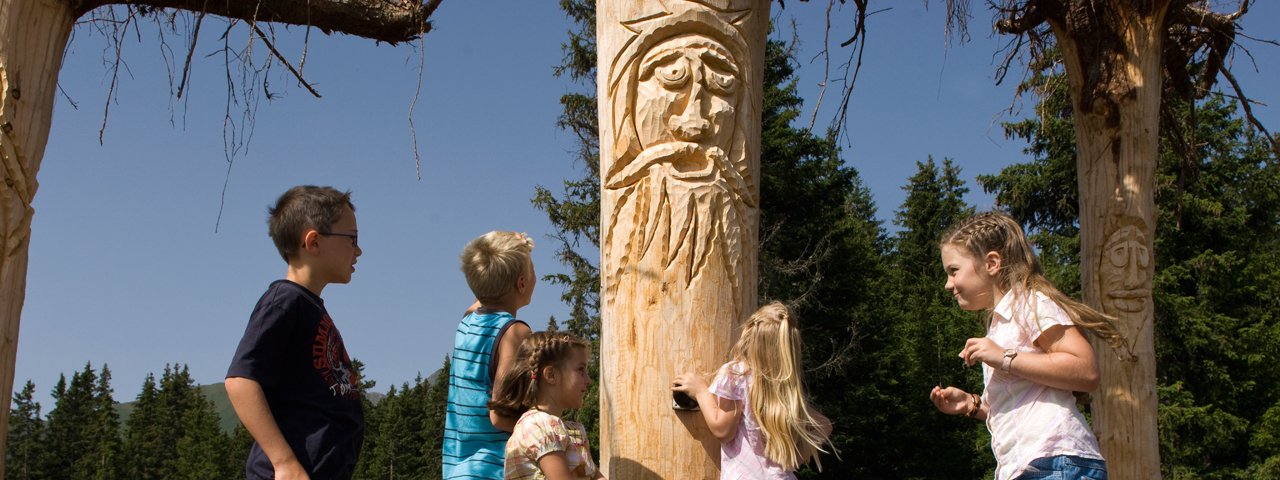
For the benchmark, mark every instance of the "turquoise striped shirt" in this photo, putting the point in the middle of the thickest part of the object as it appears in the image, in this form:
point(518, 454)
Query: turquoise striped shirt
point(473, 448)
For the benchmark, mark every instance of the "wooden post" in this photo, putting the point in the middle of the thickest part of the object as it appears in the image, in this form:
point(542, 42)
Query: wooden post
point(679, 92)
point(33, 37)
point(1116, 94)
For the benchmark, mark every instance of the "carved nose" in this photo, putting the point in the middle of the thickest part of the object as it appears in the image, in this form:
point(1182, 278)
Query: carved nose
point(1132, 270)
point(690, 126)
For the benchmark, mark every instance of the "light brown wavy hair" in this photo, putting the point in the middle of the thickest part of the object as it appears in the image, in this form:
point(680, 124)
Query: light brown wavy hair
point(1020, 270)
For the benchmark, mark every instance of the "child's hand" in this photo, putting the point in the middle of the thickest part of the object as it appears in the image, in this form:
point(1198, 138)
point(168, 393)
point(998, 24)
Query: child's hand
point(690, 383)
point(982, 350)
point(951, 400)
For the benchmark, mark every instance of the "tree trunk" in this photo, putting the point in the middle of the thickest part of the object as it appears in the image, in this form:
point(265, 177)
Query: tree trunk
point(33, 36)
point(680, 94)
point(1113, 58)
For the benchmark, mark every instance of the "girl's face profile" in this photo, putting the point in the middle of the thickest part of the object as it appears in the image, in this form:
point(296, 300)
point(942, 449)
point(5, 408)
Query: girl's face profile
point(574, 379)
point(971, 285)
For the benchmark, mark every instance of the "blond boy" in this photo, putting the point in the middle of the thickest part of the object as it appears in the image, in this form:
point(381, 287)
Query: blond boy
point(499, 271)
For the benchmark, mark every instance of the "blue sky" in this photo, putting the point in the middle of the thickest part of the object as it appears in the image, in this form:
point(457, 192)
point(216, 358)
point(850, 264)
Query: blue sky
point(127, 269)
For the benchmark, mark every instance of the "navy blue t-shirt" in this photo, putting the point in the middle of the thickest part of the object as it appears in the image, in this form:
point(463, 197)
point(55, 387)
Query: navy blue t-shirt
point(293, 350)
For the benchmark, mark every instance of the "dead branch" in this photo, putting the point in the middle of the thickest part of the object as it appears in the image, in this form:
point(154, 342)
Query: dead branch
point(391, 21)
point(286, 63)
point(121, 29)
point(191, 52)
point(1248, 112)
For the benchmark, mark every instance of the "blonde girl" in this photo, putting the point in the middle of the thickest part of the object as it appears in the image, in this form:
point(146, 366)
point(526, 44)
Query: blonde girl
point(1033, 356)
point(548, 378)
point(757, 406)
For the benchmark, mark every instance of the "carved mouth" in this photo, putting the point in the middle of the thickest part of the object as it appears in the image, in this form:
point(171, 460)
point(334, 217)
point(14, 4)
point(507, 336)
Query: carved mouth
point(1129, 300)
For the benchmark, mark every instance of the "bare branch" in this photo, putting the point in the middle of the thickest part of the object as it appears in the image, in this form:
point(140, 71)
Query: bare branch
point(1020, 19)
point(413, 105)
point(286, 63)
point(391, 21)
point(121, 29)
point(186, 67)
point(1248, 112)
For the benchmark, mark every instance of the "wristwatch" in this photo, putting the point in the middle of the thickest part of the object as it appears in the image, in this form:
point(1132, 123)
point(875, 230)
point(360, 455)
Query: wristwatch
point(1009, 355)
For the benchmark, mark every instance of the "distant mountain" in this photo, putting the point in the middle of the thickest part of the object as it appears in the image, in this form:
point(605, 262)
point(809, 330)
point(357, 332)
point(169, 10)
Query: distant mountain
point(218, 394)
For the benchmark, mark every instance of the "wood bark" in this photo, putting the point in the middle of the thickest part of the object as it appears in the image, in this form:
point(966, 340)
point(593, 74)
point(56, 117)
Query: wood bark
point(33, 37)
point(1113, 59)
point(680, 96)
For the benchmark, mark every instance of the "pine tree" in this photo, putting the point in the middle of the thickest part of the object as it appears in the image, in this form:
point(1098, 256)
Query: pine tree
point(238, 452)
point(201, 445)
point(433, 421)
point(26, 432)
point(102, 435)
point(73, 412)
point(576, 215)
point(144, 446)
point(925, 332)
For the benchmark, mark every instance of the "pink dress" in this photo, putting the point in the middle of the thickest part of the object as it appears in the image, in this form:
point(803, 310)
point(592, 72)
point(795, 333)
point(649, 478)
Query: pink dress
point(742, 457)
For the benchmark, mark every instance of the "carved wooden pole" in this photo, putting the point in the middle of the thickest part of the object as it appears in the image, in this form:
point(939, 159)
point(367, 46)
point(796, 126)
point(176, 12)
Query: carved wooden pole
point(33, 36)
point(1113, 63)
point(679, 88)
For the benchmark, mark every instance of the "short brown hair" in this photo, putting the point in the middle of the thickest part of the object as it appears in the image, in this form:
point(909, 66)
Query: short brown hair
point(303, 207)
point(493, 262)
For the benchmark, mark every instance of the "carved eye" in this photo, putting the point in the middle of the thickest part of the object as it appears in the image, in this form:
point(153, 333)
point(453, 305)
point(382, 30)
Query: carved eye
point(1144, 257)
point(1119, 255)
point(720, 83)
point(673, 74)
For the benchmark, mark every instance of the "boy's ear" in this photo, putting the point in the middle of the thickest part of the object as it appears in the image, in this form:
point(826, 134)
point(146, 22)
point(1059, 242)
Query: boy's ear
point(992, 262)
point(522, 284)
point(311, 240)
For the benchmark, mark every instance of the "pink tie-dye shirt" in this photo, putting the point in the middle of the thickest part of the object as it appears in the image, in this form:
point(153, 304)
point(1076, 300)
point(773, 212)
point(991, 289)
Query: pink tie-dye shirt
point(538, 433)
point(742, 457)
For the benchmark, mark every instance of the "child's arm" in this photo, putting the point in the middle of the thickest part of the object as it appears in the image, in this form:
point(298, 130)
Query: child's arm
point(555, 466)
point(250, 404)
point(720, 414)
point(1067, 362)
point(954, 401)
point(508, 346)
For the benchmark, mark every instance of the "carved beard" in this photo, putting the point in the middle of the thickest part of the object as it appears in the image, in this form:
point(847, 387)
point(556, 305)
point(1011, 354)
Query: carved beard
point(685, 200)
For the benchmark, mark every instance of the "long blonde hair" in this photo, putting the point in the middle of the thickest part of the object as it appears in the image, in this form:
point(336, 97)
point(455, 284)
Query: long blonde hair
point(770, 347)
point(1000, 233)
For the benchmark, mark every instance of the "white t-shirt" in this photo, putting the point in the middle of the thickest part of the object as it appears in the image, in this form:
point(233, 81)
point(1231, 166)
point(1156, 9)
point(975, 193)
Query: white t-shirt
point(1028, 420)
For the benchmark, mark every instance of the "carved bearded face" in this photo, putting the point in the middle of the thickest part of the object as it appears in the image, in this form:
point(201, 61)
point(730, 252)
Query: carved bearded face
point(687, 89)
point(1126, 267)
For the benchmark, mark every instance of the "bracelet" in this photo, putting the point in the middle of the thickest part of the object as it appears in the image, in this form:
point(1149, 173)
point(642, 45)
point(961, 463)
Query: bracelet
point(976, 401)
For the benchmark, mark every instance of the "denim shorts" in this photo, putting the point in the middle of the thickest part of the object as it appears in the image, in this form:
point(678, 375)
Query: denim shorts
point(1065, 467)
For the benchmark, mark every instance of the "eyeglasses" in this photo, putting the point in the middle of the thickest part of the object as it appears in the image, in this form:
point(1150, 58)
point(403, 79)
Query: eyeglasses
point(355, 237)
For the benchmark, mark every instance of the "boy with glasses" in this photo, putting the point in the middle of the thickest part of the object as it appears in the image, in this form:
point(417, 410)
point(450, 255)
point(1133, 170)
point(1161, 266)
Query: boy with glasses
point(291, 381)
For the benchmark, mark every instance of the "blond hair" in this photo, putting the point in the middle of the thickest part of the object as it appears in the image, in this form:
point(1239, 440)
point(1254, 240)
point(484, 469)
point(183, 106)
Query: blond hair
point(493, 262)
point(770, 348)
point(518, 390)
point(1020, 270)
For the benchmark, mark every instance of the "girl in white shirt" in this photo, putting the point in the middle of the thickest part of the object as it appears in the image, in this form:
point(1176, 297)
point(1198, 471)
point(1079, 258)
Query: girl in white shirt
point(1034, 355)
point(757, 406)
